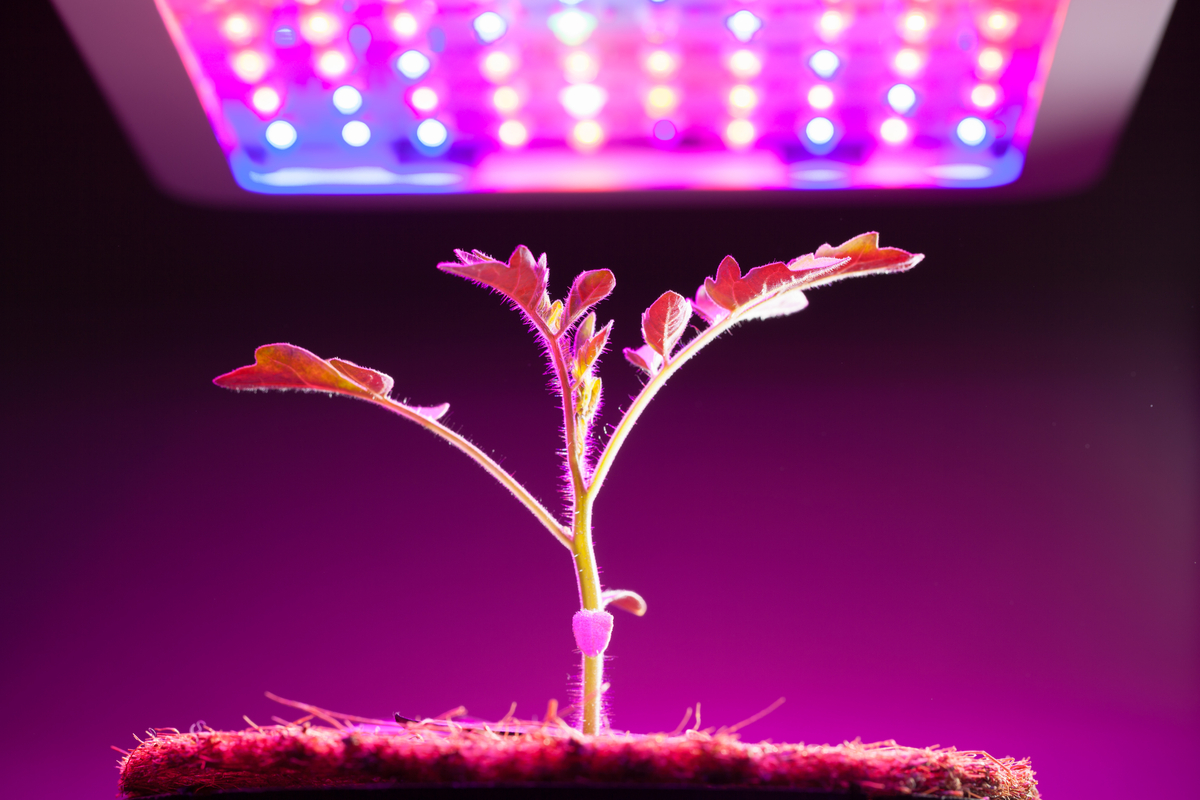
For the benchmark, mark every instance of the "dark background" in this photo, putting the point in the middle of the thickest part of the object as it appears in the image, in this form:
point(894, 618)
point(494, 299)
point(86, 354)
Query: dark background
point(956, 506)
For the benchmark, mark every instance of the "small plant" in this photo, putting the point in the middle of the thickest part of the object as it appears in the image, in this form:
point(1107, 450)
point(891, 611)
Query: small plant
point(569, 333)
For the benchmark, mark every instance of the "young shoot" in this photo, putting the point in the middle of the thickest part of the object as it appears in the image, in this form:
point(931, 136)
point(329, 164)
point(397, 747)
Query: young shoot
point(574, 340)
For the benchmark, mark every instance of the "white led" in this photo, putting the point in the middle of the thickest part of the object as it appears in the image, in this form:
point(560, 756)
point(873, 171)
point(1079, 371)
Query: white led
point(347, 99)
point(412, 64)
point(356, 133)
point(824, 63)
point(971, 131)
point(743, 25)
point(432, 133)
point(489, 26)
point(819, 130)
point(572, 27)
point(583, 100)
point(901, 98)
point(281, 135)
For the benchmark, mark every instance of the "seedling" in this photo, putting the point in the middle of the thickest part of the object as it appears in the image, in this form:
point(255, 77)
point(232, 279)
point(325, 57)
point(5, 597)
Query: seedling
point(569, 333)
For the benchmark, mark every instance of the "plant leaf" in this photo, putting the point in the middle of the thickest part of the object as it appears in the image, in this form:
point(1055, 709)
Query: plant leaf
point(665, 321)
point(645, 359)
point(587, 354)
point(522, 280)
point(589, 288)
point(706, 308)
point(732, 291)
point(624, 600)
point(285, 366)
point(866, 257)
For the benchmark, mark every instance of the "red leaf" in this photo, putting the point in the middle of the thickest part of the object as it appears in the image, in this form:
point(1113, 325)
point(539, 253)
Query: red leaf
point(522, 280)
point(865, 257)
point(644, 358)
point(665, 321)
point(731, 290)
point(625, 600)
point(285, 366)
point(589, 288)
point(706, 308)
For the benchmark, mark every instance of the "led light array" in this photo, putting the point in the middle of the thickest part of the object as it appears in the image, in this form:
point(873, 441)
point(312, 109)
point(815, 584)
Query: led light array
point(342, 96)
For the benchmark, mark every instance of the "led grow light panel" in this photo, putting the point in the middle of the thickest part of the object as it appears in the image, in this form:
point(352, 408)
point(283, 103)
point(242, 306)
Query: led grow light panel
point(342, 96)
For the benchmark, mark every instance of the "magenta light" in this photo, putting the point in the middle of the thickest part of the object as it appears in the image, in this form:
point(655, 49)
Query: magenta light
point(349, 97)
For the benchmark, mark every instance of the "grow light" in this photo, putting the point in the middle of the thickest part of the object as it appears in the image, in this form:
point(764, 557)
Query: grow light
point(409, 96)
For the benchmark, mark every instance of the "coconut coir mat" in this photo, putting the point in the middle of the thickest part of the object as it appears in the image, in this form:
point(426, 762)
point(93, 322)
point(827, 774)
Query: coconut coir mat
point(429, 758)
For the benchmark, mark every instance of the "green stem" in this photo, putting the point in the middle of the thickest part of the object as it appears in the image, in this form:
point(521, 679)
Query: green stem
point(586, 571)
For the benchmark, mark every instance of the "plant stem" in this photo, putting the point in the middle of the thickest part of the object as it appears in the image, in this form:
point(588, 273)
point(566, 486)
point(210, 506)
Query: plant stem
point(586, 572)
point(484, 460)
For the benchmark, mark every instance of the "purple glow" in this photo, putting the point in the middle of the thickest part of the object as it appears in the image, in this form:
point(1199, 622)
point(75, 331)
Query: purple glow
point(542, 96)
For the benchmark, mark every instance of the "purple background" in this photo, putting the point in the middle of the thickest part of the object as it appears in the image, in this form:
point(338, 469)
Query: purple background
point(956, 506)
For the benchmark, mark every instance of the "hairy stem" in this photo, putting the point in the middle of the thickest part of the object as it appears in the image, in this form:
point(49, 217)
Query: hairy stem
point(484, 460)
point(586, 571)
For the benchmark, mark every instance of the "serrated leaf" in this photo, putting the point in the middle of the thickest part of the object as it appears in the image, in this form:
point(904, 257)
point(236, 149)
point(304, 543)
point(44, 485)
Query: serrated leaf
point(587, 354)
point(645, 359)
point(588, 289)
point(788, 302)
point(732, 291)
point(866, 257)
point(285, 366)
point(624, 600)
point(665, 321)
point(522, 280)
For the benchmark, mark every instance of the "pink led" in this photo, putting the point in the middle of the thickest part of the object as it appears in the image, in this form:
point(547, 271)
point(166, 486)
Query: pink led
point(319, 27)
point(661, 101)
point(266, 101)
point(405, 25)
point(506, 100)
point(331, 64)
point(831, 24)
point(744, 64)
point(998, 25)
point(249, 65)
point(914, 27)
point(848, 83)
point(587, 135)
point(512, 133)
point(497, 66)
point(423, 100)
point(740, 134)
point(238, 28)
point(894, 131)
point(661, 64)
point(908, 62)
